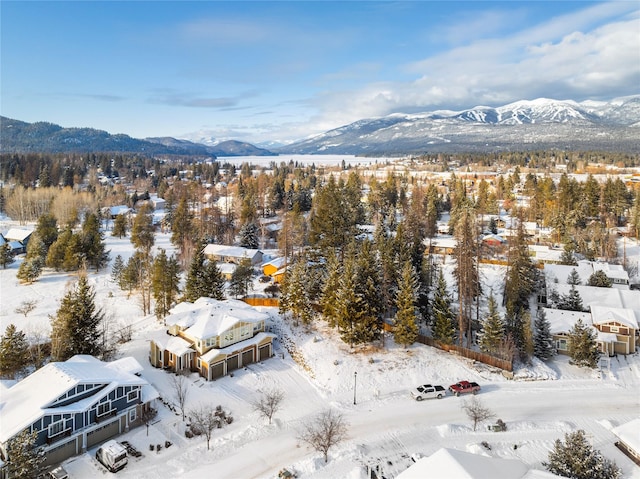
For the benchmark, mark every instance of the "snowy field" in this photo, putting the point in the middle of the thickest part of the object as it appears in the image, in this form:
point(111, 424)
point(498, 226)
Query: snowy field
point(385, 425)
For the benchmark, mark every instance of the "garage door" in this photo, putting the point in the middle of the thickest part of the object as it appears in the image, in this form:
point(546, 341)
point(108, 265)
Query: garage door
point(60, 453)
point(232, 363)
point(264, 352)
point(217, 370)
point(102, 433)
point(247, 357)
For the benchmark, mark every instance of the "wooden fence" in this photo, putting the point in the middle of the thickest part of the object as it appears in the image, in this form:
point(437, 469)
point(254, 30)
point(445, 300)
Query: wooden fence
point(462, 351)
point(262, 301)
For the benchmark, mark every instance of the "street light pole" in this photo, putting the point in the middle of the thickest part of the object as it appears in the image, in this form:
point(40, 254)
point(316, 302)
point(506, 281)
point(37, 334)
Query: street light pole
point(355, 377)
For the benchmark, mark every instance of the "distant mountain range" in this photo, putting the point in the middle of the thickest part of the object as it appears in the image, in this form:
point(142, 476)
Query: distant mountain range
point(523, 125)
point(41, 137)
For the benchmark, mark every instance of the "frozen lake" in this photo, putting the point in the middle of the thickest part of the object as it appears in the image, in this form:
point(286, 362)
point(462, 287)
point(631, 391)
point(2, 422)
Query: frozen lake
point(325, 160)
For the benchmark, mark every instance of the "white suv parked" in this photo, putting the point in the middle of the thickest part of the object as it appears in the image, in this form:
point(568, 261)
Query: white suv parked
point(427, 391)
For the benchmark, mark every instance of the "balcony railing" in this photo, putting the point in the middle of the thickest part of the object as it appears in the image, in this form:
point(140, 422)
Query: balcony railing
point(59, 436)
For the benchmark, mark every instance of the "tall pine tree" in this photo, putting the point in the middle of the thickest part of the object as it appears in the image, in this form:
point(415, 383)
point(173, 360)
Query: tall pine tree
point(443, 329)
point(543, 347)
point(294, 294)
point(405, 328)
point(492, 329)
point(165, 282)
point(76, 327)
point(204, 279)
point(583, 348)
point(14, 352)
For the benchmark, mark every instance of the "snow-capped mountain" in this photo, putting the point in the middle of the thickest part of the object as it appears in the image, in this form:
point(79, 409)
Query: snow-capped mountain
point(527, 124)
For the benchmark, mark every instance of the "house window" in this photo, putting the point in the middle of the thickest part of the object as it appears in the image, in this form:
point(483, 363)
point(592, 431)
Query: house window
point(561, 345)
point(199, 363)
point(614, 329)
point(133, 395)
point(104, 408)
point(132, 415)
point(58, 427)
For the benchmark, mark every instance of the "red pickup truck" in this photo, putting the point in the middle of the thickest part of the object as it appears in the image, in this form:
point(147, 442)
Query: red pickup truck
point(464, 387)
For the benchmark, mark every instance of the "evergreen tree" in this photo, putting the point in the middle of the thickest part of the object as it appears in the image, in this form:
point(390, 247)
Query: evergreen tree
point(130, 276)
point(577, 459)
point(24, 459)
point(443, 318)
point(194, 285)
point(543, 347)
point(204, 279)
point(14, 352)
point(165, 282)
point(405, 329)
point(117, 268)
point(31, 267)
point(599, 279)
point(249, 236)
point(514, 327)
point(492, 335)
point(466, 271)
point(119, 226)
point(142, 231)
point(567, 256)
point(57, 251)
point(583, 348)
point(213, 286)
point(368, 290)
point(6, 256)
point(76, 327)
point(93, 243)
point(349, 308)
point(47, 229)
point(182, 228)
point(571, 301)
point(521, 273)
point(240, 282)
point(294, 296)
point(74, 254)
point(328, 298)
point(574, 278)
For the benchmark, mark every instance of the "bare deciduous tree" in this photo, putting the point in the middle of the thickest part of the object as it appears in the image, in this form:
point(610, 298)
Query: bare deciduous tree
point(324, 431)
point(180, 387)
point(269, 403)
point(476, 411)
point(205, 419)
point(26, 307)
point(39, 344)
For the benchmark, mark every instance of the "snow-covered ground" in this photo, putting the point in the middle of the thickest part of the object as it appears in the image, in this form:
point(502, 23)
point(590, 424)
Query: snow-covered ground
point(385, 425)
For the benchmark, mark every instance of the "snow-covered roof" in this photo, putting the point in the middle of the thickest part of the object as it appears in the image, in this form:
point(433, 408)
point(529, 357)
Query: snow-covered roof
point(562, 321)
point(276, 262)
point(442, 242)
point(173, 344)
point(585, 269)
point(611, 297)
point(119, 210)
point(17, 234)
point(32, 397)
point(208, 317)
point(602, 314)
point(629, 433)
point(230, 251)
point(454, 464)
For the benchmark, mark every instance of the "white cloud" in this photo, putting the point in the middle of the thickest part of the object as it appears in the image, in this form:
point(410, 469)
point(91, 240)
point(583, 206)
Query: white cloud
point(567, 57)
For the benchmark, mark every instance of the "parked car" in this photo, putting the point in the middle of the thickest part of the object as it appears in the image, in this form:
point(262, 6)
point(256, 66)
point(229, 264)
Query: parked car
point(464, 387)
point(57, 473)
point(427, 391)
point(112, 455)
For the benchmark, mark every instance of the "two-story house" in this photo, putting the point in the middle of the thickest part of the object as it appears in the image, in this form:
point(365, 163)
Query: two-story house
point(212, 337)
point(75, 405)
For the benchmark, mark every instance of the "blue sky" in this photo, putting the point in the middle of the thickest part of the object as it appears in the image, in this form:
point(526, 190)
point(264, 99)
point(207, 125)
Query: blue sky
point(258, 71)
